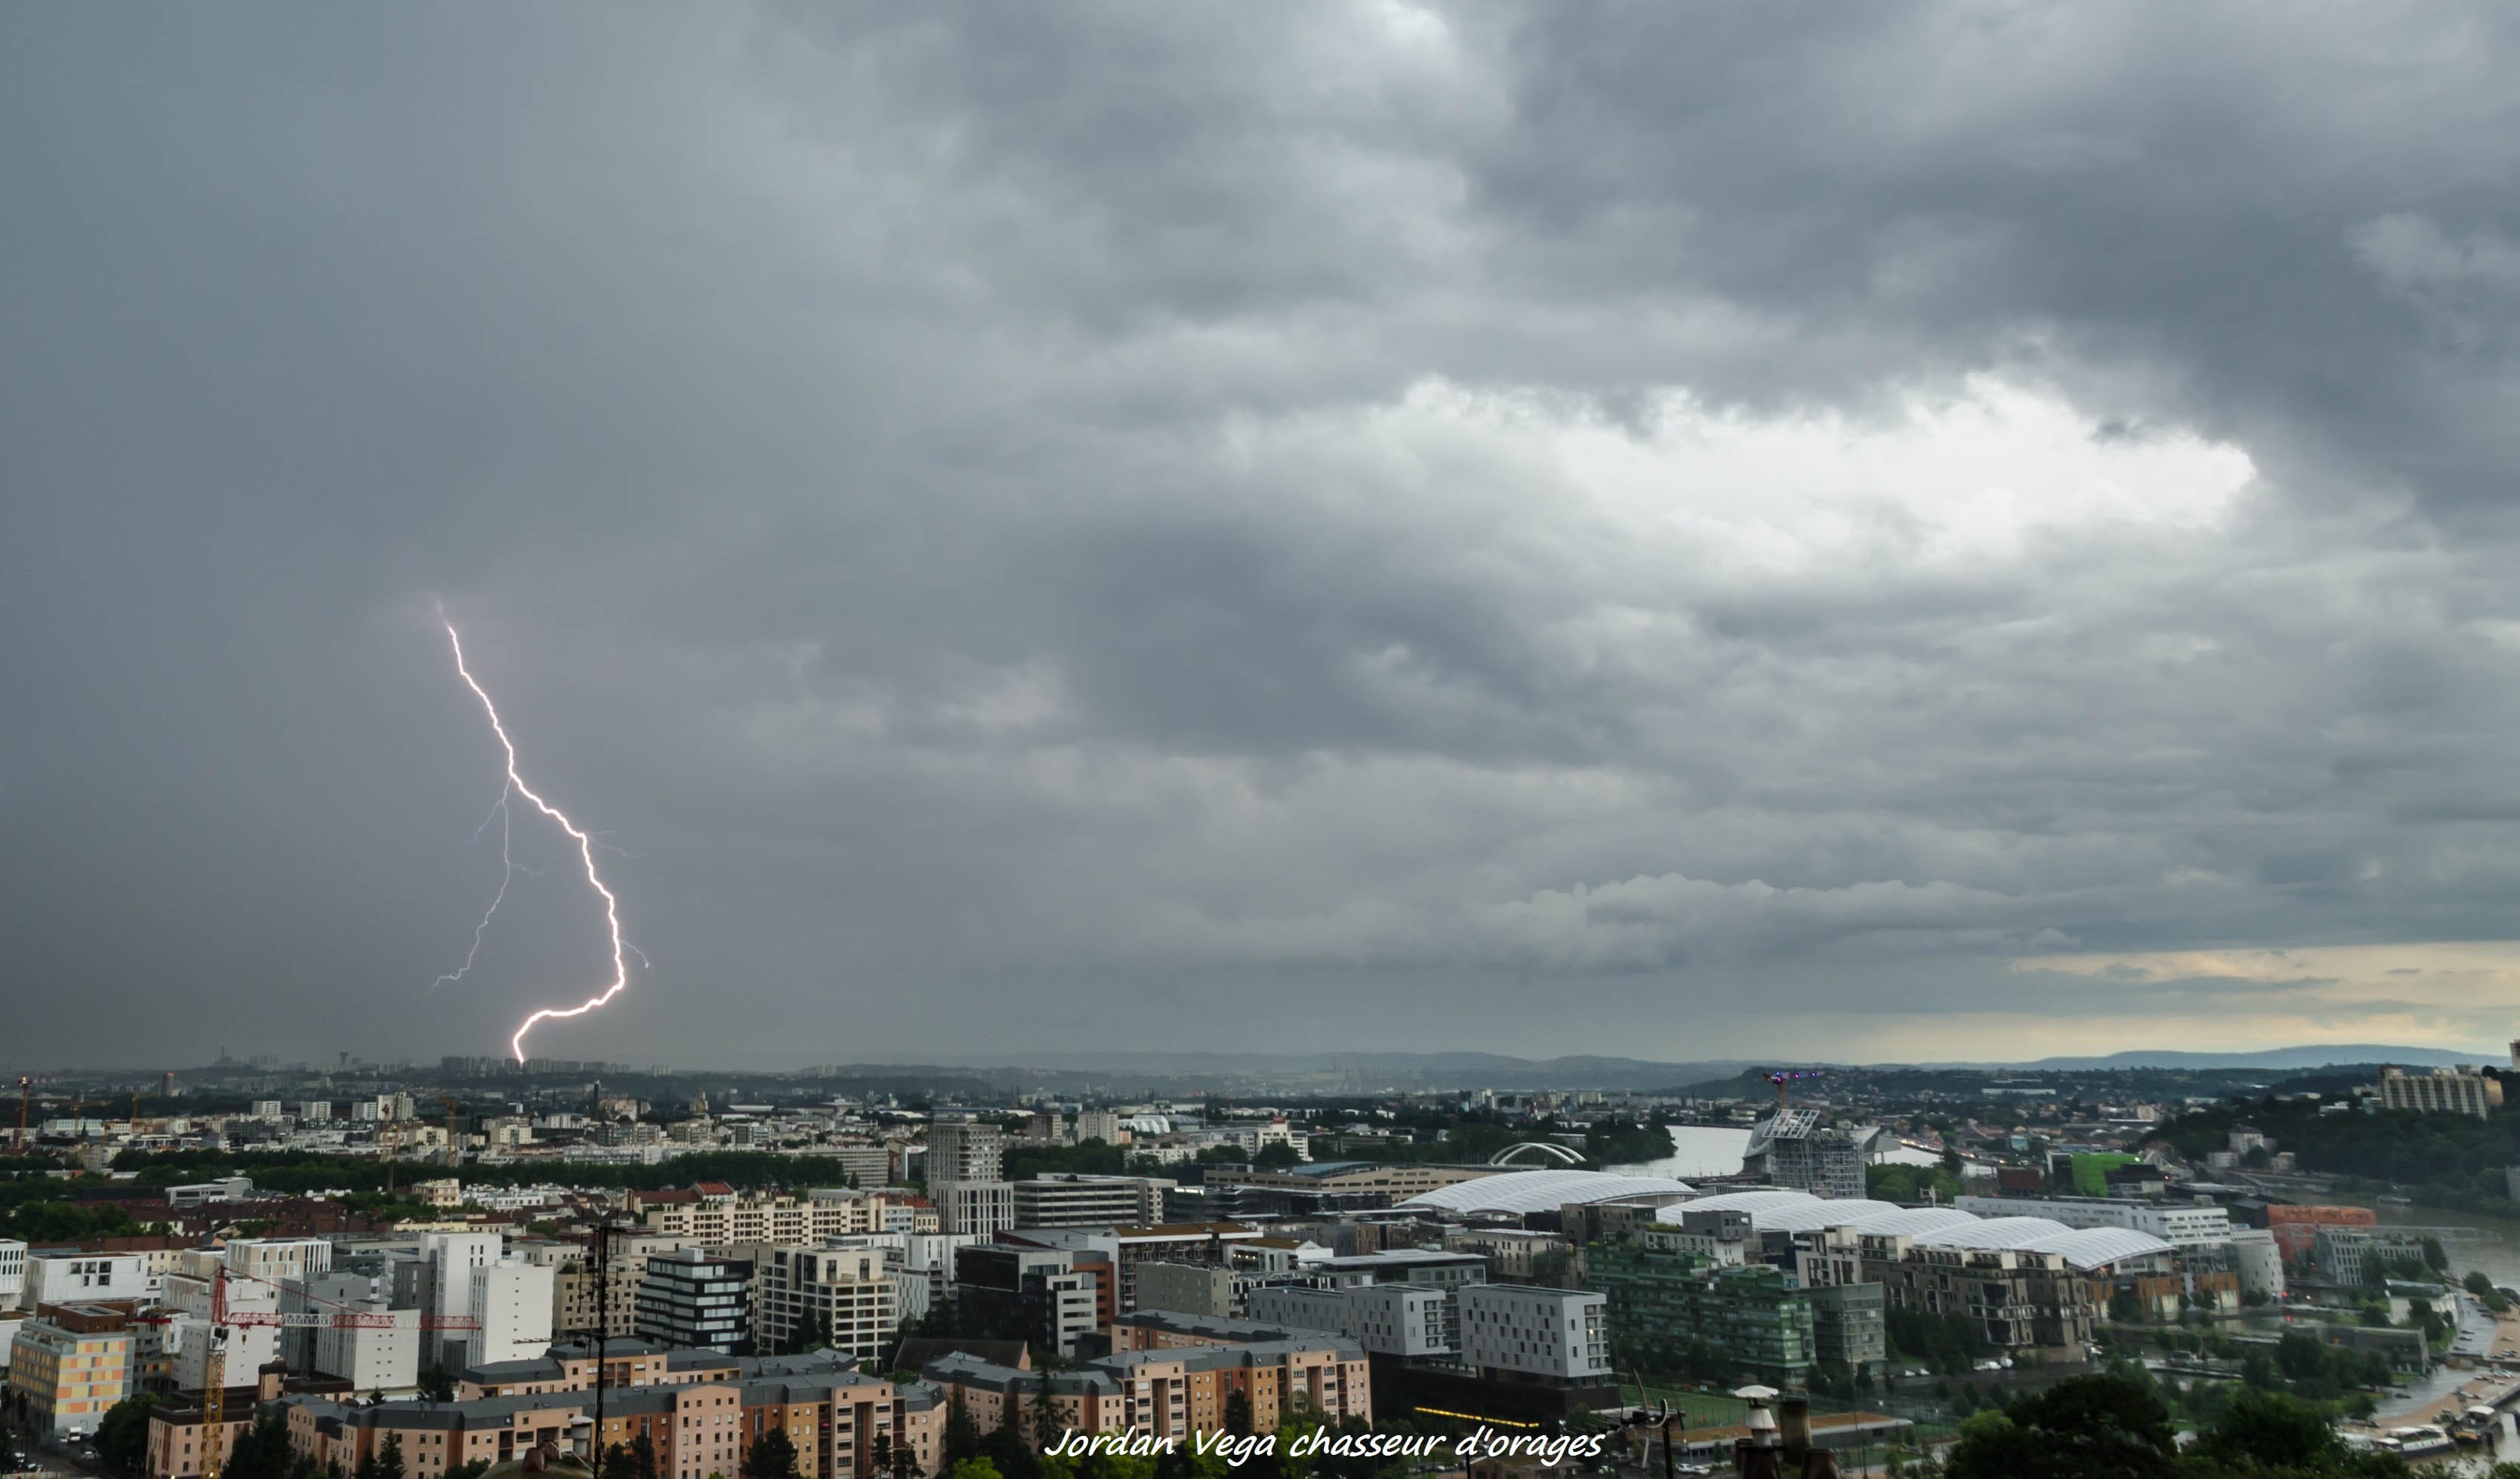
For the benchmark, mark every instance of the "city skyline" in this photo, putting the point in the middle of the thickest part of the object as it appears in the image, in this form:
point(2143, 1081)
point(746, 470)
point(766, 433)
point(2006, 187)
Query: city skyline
point(1954, 534)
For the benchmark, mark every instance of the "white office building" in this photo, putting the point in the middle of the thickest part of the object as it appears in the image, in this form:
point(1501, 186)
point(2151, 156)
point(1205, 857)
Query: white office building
point(13, 1272)
point(512, 1303)
point(1517, 1328)
point(1090, 1201)
point(1395, 1318)
point(69, 1278)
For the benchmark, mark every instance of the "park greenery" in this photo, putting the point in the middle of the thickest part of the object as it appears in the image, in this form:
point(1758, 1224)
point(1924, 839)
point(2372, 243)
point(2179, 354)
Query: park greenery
point(2116, 1426)
point(2443, 1160)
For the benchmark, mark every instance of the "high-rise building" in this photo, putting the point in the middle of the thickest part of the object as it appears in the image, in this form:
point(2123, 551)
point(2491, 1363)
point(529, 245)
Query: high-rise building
point(1037, 1291)
point(1793, 1149)
point(2461, 1089)
point(846, 1295)
point(966, 1175)
point(512, 1304)
point(964, 1149)
point(695, 1300)
point(445, 1293)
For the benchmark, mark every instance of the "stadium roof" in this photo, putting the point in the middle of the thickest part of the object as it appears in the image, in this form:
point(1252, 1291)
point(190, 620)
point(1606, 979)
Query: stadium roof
point(1782, 1211)
point(1521, 1191)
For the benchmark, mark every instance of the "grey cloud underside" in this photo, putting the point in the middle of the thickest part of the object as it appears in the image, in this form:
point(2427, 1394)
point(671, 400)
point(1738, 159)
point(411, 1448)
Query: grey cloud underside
point(952, 490)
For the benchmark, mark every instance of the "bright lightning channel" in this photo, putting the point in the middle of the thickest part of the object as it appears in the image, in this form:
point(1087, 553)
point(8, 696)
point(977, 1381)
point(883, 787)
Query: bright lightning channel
point(585, 853)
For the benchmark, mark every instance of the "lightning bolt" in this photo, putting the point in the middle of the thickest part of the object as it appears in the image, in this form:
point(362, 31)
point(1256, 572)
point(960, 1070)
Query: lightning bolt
point(585, 852)
point(507, 870)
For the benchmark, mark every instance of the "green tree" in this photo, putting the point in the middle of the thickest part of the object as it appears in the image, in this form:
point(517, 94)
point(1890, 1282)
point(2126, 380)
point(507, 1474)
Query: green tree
point(2274, 1430)
point(643, 1458)
point(771, 1456)
point(390, 1465)
point(2088, 1427)
point(122, 1433)
point(435, 1385)
point(1005, 1447)
point(1044, 1413)
point(470, 1468)
point(1277, 1156)
point(973, 1468)
point(366, 1467)
point(962, 1434)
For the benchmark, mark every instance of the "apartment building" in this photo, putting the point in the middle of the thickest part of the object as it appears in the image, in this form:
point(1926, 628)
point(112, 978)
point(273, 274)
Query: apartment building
point(66, 1366)
point(1665, 1299)
point(1393, 1319)
point(1041, 1291)
point(586, 1299)
point(2461, 1089)
point(13, 1272)
point(695, 1299)
point(1518, 1330)
point(789, 1219)
point(1179, 1388)
point(846, 1293)
point(1090, 1201)
point(2017, 1298)
point(2362, 1255)
point(834, 1417)
point(269, 1260)
point(1193, 1289)
point(1123, 1250)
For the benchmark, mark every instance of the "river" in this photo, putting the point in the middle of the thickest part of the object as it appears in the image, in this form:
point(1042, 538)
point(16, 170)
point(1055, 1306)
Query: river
point(2492, 1243)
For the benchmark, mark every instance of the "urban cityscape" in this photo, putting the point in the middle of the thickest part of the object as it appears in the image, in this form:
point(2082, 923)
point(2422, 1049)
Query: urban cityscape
point(1206, 740)
point(369, 1268)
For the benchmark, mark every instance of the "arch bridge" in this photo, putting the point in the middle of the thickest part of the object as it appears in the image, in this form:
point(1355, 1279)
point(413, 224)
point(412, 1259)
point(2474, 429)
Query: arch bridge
point(1564, 1155)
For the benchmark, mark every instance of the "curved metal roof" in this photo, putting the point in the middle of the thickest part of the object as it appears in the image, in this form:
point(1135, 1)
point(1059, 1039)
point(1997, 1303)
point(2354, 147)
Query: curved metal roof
point(1518, 1192)
point(1782, 1211)
point(1753, 1203)
point(1916, 1222)
point(2088, 1248)
point(1850, 1211)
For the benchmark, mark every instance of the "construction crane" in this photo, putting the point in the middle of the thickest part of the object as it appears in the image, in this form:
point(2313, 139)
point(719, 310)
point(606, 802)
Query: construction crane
point(223, 1319)
point(25, 1096)
point(1784, 1076)
point(454, 1113)
point(386, 1135)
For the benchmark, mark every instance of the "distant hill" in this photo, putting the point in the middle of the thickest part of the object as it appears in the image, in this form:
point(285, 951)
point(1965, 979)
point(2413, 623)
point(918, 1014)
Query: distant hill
point(2319, 1057)
point(1376, 1070)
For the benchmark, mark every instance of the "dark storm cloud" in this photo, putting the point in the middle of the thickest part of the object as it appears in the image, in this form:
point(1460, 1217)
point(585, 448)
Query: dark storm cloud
point(1029, 523)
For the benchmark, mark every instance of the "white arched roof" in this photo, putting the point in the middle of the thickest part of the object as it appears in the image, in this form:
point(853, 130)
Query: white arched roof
point(2088, 1248)
point(1756, 1203)
point(1994, 1232)
point(1782, 1211)
point(1521, 1191)
point(1916, 1222)
point(1848, 1212)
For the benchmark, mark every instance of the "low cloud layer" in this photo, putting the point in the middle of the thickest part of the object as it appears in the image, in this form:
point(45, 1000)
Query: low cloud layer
point(1597, 528)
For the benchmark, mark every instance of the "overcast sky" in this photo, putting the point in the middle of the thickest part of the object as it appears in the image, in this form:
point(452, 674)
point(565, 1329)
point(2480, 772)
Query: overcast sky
point(1832, 531)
